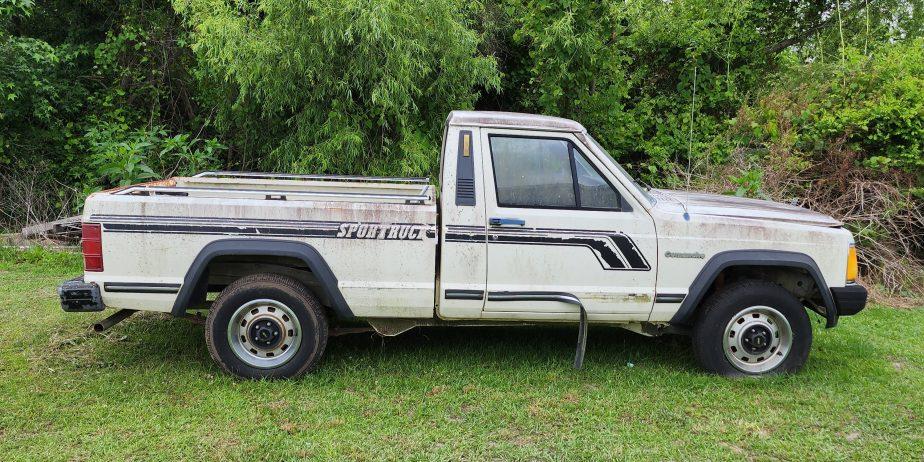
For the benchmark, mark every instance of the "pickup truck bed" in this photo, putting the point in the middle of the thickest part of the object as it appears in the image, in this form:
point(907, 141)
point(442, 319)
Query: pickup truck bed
point(374, 225)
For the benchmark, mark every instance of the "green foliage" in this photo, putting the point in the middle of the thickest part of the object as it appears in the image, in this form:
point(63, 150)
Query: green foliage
point(353, 86)
point(748, 184)
point(362, 87)
point(626, 70)
point(123, 163)
point(38, 256)
point(72, 68)
point(847, 138)
point(121, 156)
point(870, 108)
point(35, 92)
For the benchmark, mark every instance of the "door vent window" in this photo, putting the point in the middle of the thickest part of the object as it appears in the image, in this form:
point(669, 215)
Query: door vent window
point(593, 190)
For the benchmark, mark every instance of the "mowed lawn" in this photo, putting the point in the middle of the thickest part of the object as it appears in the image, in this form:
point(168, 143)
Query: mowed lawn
point(147, 389)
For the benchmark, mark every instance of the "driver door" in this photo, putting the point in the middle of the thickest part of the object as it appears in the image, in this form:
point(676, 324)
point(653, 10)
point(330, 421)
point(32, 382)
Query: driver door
point(559, 222)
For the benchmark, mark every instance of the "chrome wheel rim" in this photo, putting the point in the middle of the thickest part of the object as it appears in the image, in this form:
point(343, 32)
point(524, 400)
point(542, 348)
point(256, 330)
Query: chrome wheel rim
point(757, 339)
point(264, 333)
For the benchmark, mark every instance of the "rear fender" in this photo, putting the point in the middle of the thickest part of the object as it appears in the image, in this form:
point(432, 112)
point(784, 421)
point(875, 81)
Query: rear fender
point(196, 276)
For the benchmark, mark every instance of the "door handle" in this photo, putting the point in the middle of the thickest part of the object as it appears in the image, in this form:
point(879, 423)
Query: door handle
point(506, 222)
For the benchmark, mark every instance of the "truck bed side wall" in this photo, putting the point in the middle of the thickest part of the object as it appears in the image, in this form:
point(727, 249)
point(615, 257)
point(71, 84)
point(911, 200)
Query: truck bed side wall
point(383, 255)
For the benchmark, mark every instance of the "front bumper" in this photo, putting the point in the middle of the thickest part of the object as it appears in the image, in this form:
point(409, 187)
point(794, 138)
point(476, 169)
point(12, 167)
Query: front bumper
point(79, 296)
point(850, 299)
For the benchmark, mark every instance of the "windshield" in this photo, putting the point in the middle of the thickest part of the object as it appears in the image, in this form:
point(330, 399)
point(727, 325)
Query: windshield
point(609, 160)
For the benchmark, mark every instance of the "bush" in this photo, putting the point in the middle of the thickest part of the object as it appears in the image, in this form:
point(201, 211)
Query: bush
point(626, 71)
point(121, 156)
point(847, 138)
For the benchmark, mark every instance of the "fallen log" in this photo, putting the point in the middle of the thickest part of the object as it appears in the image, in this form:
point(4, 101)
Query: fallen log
point(65, 229)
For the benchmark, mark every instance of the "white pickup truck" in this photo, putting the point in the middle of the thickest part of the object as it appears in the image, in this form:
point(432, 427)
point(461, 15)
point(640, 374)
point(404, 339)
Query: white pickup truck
point(535, 223)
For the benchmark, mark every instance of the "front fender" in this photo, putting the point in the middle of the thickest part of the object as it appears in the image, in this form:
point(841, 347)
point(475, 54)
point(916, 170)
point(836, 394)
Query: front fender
point(769, 258)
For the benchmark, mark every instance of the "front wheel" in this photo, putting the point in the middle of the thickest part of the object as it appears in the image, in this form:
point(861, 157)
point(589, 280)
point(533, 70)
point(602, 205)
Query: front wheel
point(752, 328)
point(266, 326)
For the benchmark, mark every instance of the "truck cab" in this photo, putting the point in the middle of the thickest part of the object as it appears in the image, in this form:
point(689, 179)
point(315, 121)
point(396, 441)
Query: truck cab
point(534, 223)
point(527, 208)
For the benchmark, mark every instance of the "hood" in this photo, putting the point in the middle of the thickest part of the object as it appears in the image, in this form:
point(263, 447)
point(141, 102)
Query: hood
point(741, 207)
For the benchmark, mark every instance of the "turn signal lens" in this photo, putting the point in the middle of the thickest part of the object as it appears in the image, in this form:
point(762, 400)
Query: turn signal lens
point(852, 269)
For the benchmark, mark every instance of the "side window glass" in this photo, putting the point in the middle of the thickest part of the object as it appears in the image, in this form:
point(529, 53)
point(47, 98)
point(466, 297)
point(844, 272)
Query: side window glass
point(594, 191)
point(532, 172)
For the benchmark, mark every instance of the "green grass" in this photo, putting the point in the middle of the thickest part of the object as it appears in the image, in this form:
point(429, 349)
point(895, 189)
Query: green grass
point(147, 389)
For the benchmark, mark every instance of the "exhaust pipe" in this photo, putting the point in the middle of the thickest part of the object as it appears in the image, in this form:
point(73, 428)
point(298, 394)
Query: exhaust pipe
point(112, 320)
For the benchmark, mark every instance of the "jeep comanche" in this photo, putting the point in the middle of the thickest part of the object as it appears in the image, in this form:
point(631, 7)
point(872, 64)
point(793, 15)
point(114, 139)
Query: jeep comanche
point(535, 223)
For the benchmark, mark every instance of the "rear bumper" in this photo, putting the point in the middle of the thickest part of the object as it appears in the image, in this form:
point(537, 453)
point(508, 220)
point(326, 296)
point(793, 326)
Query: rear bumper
point(850, 299)
point(79, 296)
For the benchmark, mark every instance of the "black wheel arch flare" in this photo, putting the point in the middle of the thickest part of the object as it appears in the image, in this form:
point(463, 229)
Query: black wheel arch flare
point(767, 258)
point(305, 252)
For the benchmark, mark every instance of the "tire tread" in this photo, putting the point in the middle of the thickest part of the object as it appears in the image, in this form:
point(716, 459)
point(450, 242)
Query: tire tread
point(715, 312)
point(279, 282)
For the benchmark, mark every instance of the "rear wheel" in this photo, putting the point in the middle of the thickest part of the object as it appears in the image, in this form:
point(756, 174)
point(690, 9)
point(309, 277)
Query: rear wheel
point(266, 326)
point(752, 328)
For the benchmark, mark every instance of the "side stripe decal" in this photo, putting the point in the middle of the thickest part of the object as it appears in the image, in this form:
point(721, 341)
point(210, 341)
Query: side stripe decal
point(141, 287)
point(614, 250)
point(264, 227)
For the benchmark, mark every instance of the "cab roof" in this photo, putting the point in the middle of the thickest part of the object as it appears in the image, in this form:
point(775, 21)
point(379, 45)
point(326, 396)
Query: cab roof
point(513, 120)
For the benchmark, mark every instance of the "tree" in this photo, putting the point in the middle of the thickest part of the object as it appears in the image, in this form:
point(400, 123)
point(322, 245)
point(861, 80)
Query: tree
point(345, 86)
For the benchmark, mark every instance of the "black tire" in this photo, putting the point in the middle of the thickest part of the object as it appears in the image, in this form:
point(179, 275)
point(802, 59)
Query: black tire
point(310, 340)
point(729, 308)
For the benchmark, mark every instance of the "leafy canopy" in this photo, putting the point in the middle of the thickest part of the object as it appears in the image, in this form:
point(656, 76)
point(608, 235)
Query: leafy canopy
point(353, 86)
